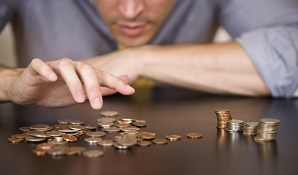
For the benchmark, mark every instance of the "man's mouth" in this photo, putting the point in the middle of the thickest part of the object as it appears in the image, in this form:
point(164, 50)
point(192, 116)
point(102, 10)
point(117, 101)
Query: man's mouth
point(131, 29)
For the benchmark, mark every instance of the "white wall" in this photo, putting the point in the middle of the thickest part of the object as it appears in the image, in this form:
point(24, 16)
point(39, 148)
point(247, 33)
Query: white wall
point(7, 55)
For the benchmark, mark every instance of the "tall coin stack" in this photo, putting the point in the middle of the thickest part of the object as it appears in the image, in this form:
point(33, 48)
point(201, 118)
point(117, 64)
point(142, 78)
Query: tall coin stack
point(223, 116)
point(235, 125)
point(267, 129)
point(250, 128)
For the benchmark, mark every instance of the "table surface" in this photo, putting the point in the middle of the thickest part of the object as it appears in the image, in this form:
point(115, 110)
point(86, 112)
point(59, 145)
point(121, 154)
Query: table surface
point(167, 111)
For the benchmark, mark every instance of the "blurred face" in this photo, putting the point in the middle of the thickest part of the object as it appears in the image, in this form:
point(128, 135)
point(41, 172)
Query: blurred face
point(134, 22)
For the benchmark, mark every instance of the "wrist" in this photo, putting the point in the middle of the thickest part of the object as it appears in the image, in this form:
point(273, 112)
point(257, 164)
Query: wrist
point(6, 77)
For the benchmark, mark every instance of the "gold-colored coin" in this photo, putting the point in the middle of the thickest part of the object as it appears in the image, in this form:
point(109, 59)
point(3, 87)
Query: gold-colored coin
point(24, 128)
point(194, 135)
point(160, 141)
point(173, 137)
point(109, 113)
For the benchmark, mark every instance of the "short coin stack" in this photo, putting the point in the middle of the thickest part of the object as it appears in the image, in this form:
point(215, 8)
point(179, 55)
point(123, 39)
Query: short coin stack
point(223, 116)
point(267, 129)
point(234, 125)
point(250, 128)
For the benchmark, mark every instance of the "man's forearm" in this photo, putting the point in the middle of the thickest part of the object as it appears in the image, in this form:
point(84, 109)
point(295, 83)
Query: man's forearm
point(6, 74)
point(216, 68)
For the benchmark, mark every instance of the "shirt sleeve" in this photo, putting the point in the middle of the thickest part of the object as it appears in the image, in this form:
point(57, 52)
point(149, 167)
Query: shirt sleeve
point(268, 32)
point(7, 10)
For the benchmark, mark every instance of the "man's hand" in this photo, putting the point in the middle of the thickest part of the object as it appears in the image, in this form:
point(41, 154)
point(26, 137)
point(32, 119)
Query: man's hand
point(63, 82)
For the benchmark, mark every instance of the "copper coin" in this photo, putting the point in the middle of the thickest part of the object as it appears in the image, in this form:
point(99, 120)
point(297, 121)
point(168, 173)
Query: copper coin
point(160, 141)
point(39, 152)
point(143, 143)
point(194, 135)
point(173, 137)
point(15, 140)
point(44, 146)
point(69, 138)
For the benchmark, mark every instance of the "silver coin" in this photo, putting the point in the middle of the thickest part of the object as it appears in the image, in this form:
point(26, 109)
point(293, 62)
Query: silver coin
point(95, 134)
point(35, 139)
point(105, 143)
point(92, 140)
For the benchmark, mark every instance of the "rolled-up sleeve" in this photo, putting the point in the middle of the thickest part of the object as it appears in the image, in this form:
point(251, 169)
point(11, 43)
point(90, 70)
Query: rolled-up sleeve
point(268, 32)
point(274, 52)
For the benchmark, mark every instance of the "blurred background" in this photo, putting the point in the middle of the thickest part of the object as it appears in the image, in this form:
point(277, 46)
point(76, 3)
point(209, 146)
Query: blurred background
point(8, 57)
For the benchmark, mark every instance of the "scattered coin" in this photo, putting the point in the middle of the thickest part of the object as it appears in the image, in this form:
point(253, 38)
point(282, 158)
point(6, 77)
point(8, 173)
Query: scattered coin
point(109, 113)
point(160, 141)
point(194, 135)
point(144, 143)
point(15, 140)
point(93, 153)
point(173, 137)
point(69, 138)
point(39, 152)
point(92, 140)
point(56, 137)
point(105, 143)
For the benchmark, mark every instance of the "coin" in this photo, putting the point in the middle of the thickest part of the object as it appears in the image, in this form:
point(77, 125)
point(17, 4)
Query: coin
point(143, 143)
point(118, 146)
point(44, 146)
point(15, 140)
point(160, 141)
point(109, 113)
point(92, 140)
point(63, 121)
point(74, 150)
point(35, 139)
point(95, 134)
point(147, 135)
point(173, 137)
point(41, 127)
point(105, 143)
point(39, 152)
point(20, 136)
point(69, 138)
point(24, 128)
point(93, 153)
point(57, 151)
point(194, 135)
point(126, 141)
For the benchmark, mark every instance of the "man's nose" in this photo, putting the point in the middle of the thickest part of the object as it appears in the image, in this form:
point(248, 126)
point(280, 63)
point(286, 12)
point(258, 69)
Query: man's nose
point(130, 9)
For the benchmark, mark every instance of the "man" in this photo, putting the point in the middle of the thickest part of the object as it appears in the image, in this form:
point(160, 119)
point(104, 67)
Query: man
point(166, 40)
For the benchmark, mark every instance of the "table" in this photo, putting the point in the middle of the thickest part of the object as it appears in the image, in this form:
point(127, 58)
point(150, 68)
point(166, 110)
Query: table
point(167, 111)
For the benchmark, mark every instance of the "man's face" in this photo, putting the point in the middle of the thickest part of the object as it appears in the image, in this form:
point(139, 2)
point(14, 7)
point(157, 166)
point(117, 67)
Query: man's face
point(134, 22)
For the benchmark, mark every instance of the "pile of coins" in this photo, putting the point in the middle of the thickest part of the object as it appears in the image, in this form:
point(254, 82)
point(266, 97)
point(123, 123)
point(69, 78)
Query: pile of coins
point(223, 116)
point(250, 128)
point(53, 140)
point(267, 129)
point(234, 125)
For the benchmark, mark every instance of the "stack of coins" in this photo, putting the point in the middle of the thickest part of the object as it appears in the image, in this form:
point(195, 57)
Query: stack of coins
point(250, 128)
point(223, 116)
point(235, 125)
point(267, 129)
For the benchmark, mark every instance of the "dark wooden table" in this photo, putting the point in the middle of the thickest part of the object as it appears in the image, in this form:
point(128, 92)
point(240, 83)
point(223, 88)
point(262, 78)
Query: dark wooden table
point(167, 111)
